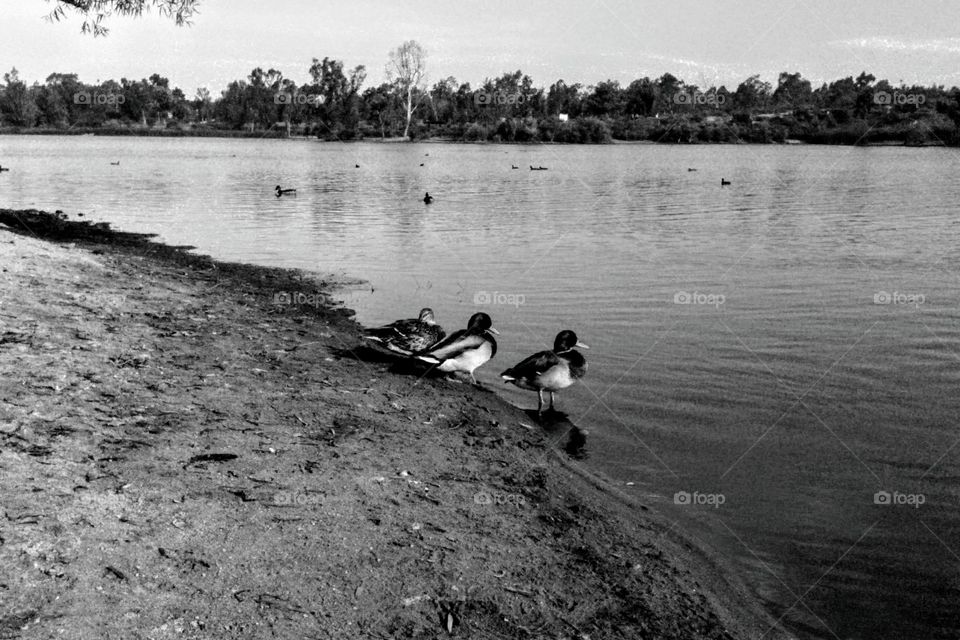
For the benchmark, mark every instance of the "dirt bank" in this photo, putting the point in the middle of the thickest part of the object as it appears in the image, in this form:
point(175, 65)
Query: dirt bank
point(180, 457)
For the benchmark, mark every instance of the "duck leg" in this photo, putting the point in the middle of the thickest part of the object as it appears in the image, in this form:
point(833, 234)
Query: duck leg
point(539, 402)
point(551, 401)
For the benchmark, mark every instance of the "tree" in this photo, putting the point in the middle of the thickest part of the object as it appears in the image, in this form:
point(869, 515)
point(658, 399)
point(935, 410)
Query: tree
point(202, 103)
point(792, 92)
point(640, 97)
point(94, 12)
point(564, 98)
point(332, 87)
point(407, 70)
point(17, 105)
point(668, 87)
point(752, 94)
point(606, 100)
point(380, 104)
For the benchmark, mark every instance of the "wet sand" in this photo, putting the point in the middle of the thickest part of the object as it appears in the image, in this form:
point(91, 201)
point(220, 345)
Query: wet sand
point(182, 457)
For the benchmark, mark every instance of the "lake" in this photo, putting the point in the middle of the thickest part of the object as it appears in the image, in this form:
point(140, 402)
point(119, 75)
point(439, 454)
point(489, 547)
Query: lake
point(773, 363)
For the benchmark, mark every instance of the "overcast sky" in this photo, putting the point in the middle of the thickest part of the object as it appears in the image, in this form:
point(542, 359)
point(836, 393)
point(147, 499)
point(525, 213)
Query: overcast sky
point(704, 43)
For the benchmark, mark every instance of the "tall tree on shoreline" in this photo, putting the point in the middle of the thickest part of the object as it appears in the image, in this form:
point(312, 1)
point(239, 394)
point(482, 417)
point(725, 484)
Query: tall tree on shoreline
point(407, 68)
point(94, 12)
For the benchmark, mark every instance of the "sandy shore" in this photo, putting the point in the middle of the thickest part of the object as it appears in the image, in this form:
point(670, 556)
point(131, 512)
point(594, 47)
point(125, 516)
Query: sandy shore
point(180, 457)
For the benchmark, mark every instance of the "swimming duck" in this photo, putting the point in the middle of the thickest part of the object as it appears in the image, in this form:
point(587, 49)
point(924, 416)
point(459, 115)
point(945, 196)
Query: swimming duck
point(464, 350)
point(285, 192)
point(116, 164)
point(513, 166)
point(427, 198)
point(408, 336)
point(550, 370)
point(4, 168)
point(724, 182)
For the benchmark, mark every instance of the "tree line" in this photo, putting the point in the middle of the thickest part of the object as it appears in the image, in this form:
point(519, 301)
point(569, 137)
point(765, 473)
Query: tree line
point(335, 105)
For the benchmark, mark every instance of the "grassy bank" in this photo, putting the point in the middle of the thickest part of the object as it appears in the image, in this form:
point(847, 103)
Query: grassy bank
point(180, 457)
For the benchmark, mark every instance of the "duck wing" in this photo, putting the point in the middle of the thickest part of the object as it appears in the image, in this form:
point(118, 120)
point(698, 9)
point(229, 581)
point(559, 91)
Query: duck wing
point(422, 337)
point(393, 330)
point(407, 336)
point(532, 367)
point(452, 346)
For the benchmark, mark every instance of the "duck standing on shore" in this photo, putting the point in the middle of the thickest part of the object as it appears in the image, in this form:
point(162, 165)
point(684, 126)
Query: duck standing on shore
point(464, 350)
point(550, 370)
point(408, 336)
point(285, 192)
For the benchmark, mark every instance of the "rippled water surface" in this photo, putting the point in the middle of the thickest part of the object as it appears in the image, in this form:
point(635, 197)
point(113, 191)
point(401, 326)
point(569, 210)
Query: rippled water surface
point(783, 389)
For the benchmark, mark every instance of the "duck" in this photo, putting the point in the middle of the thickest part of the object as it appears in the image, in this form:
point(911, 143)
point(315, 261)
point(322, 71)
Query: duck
point(421, 164)
point(116, 164)
point(4, 168)
point(541, 168)
point(427, 198)
point(550, 370)
point(724, 182)
point(285, 192)
point(690, 169)
point(357, 166)
point(408, 336)
point(464, 350)
point(513, 166)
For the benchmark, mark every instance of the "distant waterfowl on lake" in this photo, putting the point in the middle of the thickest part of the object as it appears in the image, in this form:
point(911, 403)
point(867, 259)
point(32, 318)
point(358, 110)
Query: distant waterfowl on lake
point(533, 168)
point(689, 169)
point(4, 168)
point(285, 192)
point(427, 198)
point(513, 166)
point(408, 336)
point(464, 350)
point(724, 182)
point(421, 164)
point(116, 164)
point(550, 370)
point(357, 166)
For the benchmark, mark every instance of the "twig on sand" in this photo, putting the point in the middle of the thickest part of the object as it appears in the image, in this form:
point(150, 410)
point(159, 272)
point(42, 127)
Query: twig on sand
point(520, 591)
point(575, 627)
point(301, 345)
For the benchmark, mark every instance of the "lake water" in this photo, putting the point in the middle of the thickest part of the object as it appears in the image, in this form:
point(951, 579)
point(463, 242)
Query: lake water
point(816, 363)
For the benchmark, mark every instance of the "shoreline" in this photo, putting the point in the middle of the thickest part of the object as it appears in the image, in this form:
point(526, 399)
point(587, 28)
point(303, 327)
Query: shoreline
point(186, 458)
point(271, 135)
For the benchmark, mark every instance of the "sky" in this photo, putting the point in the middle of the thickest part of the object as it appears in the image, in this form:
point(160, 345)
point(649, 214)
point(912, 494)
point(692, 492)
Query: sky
point(705, 42)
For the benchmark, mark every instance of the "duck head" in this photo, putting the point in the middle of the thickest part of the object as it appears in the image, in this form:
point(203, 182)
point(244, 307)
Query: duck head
point(566, 340)
point(480, 322)
point(426, 315)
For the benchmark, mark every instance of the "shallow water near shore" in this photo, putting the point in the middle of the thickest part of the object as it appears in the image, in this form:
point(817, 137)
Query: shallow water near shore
point(776, 351)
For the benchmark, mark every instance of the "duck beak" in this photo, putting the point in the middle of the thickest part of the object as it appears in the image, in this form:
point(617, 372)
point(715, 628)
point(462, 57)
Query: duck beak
point(493, 331)
point(581, 345)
